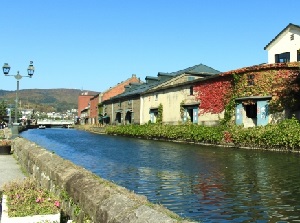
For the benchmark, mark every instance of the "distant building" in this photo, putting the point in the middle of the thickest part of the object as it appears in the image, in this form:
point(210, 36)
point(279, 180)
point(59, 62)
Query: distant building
point(26, 113)
point(285, 47)
point(88, 104)
point(93, 114)
point(119, 88)
point(83, 101)
point(140, 101)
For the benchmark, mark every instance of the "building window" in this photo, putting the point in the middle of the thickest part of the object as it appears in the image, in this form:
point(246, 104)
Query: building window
point(156, 97)
point(251, 110)
point(119, 104)
point(292, 37)
point(191, 90)
point(298, 55)
point(250, 79)
point(282, 58)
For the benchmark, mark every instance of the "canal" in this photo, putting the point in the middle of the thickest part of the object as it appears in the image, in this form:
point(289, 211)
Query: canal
point(204, 183)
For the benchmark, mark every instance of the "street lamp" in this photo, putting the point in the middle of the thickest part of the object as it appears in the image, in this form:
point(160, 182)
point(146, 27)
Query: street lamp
point(30, 71)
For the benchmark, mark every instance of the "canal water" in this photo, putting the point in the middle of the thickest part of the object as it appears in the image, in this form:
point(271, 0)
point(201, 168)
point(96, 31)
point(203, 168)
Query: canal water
point(203, 183)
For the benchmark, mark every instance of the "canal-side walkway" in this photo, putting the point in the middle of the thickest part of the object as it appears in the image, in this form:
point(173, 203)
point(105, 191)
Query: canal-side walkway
point(9, 170)
point(9, 167)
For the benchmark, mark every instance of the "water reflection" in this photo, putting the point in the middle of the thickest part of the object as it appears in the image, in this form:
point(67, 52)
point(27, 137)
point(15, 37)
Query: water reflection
point(203, 183)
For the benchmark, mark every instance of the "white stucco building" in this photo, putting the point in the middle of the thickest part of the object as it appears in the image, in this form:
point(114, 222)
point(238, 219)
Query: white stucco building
point(171, 98)
point(176, 95)
point(285, 47)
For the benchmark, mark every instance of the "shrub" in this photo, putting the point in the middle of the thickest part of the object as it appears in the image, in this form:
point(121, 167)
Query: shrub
point(284, 135)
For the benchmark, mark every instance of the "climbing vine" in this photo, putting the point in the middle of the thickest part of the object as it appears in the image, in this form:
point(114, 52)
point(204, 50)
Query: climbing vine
point(100, 109)
point(214, 94)
point(281, 81)
point(285, 90)
point(230, 107)
point(159, 118)
point(181, 110)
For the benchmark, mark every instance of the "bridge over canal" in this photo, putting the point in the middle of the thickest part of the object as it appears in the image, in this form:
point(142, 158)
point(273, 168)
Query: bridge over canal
point(55, 123)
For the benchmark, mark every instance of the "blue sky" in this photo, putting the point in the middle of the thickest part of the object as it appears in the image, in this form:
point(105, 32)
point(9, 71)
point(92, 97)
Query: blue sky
point(95, 44)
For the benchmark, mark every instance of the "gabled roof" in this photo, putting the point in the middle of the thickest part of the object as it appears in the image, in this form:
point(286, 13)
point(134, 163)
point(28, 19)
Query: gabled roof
point(128, 79)
point(197, 69)
point(289, 26)
point(136, 91)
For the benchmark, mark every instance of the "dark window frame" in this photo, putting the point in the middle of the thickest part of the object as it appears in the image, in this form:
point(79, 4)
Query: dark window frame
point(283, 57)
point(251, 81)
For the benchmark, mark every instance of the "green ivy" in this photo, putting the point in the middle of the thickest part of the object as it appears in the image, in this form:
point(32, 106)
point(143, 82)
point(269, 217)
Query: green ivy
point(229, 112)
point(230, 107)
point(100, 109)
point(281, 81)
point(181, 110)
point(159, 118)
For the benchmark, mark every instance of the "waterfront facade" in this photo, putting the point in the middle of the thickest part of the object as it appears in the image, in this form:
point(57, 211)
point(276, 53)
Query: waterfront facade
point(125, 108)
point(89, 104)
point(134, 106)
point(83, 106)
point(93, 109)
point(249, 96)
point(175, 97)
point(264, 94)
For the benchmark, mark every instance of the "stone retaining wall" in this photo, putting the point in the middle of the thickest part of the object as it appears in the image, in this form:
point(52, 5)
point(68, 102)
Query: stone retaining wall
point(85, 195)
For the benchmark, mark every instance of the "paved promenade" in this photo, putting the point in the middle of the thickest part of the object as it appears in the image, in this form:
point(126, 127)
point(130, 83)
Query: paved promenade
point(9, 167)
point(9, 170)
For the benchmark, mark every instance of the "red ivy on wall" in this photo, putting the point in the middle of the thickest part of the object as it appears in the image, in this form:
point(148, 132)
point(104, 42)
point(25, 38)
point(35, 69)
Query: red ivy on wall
point(286, 90)
point(280, 80)
point(213, 94)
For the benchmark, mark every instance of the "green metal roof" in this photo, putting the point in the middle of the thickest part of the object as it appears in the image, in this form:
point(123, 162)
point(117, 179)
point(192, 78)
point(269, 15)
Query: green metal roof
point(197, 69)
point(139, 89)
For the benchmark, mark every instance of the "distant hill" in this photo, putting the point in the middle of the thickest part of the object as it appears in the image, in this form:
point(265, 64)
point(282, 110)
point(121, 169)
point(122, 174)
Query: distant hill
point(44, 100)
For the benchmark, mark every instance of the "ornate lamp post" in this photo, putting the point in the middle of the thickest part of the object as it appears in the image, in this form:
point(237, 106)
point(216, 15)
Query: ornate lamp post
point(30, 71)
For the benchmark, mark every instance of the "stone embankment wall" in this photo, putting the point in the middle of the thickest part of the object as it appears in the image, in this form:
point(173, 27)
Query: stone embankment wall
point(91, 128)
point(85, 195)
